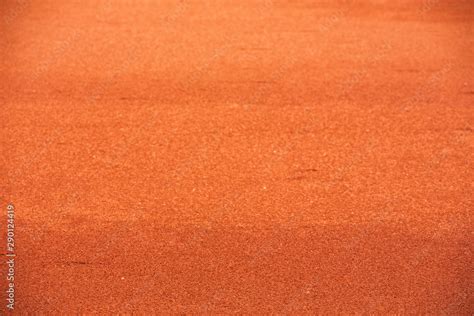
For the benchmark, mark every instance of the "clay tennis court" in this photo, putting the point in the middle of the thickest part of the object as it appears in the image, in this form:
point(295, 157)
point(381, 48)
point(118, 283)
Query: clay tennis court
point(238, 157)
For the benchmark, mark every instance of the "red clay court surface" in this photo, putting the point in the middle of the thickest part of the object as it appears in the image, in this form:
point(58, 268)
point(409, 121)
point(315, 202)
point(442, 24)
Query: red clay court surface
point(221, 157)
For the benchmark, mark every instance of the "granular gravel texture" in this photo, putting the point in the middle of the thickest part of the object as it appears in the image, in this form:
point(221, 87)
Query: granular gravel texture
point(238, 157)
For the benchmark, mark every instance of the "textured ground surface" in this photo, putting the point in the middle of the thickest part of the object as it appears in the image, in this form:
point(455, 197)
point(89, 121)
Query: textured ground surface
point(239, 157)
